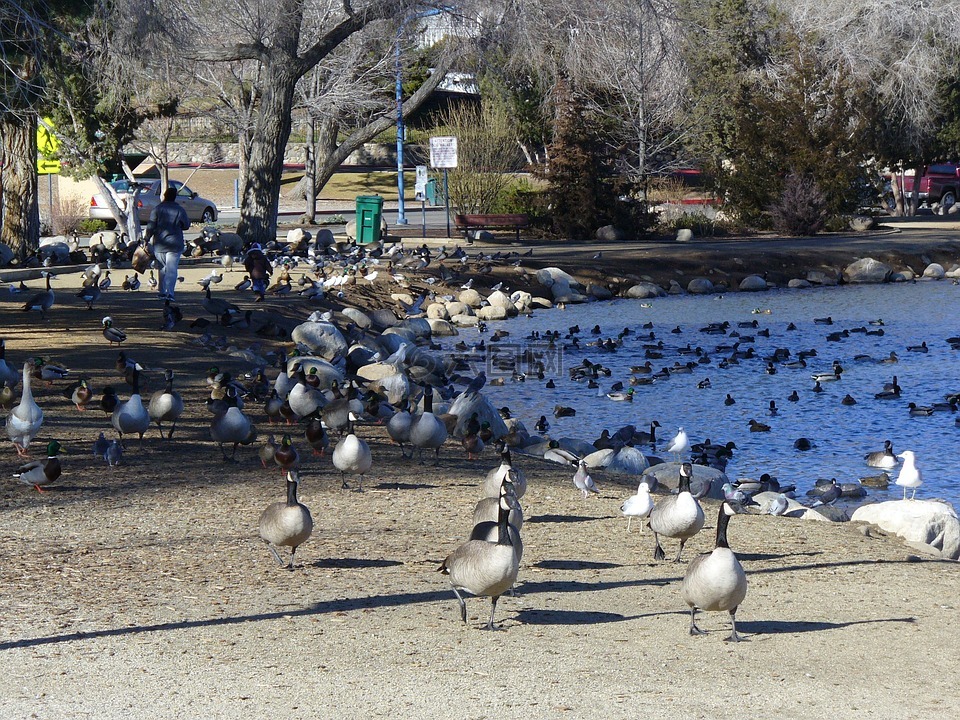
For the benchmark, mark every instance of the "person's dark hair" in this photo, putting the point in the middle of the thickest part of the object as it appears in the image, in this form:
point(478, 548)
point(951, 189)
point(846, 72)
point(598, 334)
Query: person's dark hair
point(170, 194)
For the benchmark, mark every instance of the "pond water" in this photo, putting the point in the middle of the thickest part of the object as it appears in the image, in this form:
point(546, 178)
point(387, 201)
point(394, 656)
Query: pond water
point(842, 434)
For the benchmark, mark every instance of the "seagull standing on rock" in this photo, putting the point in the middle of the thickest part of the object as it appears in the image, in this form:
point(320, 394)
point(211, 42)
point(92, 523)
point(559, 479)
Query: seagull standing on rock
point(910, 476)
point(680, 444)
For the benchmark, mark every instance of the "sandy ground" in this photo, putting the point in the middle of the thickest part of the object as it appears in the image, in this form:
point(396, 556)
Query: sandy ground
point(145, 592)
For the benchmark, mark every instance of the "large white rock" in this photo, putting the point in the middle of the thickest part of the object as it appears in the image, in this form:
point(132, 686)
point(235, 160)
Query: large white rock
point(541, 302)
point(550, 275)
point(627, 461)
point(465, 405)
point(418, 326)
point(437, 311)
point(464, 320)
point(441, 328)
point(383, 318)
point(471, 298)
point(522, 300)
point(499, 298)
point(492, 312)
point(455, 307)
point(322, 338)
point(753, 283)
point(920, 521)
point(599, 292)
point(867, 270)
point(357, 316)
point(645, 290)
point(934, 271)
point(700, 286)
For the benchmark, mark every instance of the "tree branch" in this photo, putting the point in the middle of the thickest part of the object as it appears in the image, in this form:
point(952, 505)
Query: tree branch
point(229, 53)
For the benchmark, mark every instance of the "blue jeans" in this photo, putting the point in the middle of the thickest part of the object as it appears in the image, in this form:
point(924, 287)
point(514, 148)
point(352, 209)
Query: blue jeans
point(169, 263)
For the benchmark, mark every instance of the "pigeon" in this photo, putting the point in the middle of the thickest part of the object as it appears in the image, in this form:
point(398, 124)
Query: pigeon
point(583, 481)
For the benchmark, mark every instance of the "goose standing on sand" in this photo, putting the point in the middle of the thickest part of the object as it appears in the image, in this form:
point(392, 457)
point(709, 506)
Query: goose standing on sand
point(427, 431)
point(286, 523)
point(131, 416)
point(638, 506)
point(42, 472)
point(680, 444)
point(398, 428)
point(676, 516)
point(494, 478)
point(352, 455)
point(484, 569)
point(488, 509)
point(230, 425)
point(910, 475)
point(715, 581)
point(882, 458)
point(42, 301)
point(25, 419)
point(166, 405)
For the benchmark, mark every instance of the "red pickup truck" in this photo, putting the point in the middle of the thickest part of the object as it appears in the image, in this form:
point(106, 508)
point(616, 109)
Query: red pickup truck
point(939, 183)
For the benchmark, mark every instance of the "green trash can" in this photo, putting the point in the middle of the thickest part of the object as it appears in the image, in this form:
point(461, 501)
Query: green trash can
point(431, 192)
point(369, 218)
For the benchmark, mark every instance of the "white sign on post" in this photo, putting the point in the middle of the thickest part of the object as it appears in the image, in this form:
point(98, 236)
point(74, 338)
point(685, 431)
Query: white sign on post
point(443, 152)
point(421, 186)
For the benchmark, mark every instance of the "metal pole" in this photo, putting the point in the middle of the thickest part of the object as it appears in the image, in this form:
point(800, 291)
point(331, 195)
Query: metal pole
point(446, 199)
point(401, 214)
point(423, 216)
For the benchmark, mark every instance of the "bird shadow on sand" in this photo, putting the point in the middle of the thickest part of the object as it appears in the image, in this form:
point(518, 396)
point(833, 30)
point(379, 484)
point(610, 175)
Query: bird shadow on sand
point(575, 565)
point(402, 486)
point(758, 557)
point(569, 617)
point(562, 519)
point(353, 563)
point(783, 627)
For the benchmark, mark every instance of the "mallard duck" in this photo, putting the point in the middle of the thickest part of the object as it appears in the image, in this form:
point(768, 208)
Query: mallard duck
point(166, 406)
point(6, 396)
point(231, 426)
point(42, 472)
point(272, 405)
point(620, 396)
point(473, 444)
point(79, 394)
point(112, 333)
point(131, 417)
point(286, 523)
point(47, 371)
point(109, 400)
point(317, 437)
point(286, 455)
point(42, 301)
point(25, 419)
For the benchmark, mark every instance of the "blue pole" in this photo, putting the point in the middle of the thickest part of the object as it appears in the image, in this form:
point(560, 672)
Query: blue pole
point(401, 214)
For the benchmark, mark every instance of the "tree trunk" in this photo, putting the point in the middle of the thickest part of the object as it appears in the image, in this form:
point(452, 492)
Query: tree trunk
point(261, 195)
point(915, 197)
point(310, 172)
point(19, 208)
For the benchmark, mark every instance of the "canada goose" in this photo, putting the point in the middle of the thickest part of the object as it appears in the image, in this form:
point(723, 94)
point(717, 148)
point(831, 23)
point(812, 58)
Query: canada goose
point(638, 506)
point(218, 307)
point(286, 523)
point(910, 475)
point(230, 425)
point(398, 428)
point(43, 472)
point(352, 455)
point(484, 569)
point(882, 458)
point(166, 405)
point(494, 478)
point(303, 399)
point(582, 480)
point(42, 301)
point(286, 455)
point(715, 581)
point(489, 530)
point(488, 508)
point(131, 417)
point(677, 516)
point(427, 431)
point(25, 419)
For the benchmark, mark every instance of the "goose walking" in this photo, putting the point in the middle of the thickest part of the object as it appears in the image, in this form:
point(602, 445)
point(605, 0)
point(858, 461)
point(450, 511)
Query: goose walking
point(25, 419)
point(42, 472)
point(166, 406)
point(494, 478)
point(427, 431)
point(286, 523)
point(42, 301)
point(352, 455)
point(676, 516)
point(715, 581)
point(398, 428)
point(482, 568)
point(638, 506)
point(131, 417)
point(230, 425)
point(910, 475)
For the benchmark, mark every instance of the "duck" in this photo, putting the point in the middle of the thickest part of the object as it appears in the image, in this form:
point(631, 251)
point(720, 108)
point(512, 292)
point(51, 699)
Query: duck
point(758, 426)
point(910, 475)
point(582, 480)
point(638, 506)
point(482, 568)
point(542, 425)
point(47, 371)
point(885, 458)
point(920, 410)
point(272, 405)
point(286, 523)
point(473, 443)
point(25, 419)
point(848, 400)
point(830, 376)
point(286, 455)
point(42, 472)
point(921, 348)
point(42, 301)
point(715, 581)
point(352, 455)
point(109, 400)
point(6, 396)
point(131, 417)
point(427, 431)
point(166, 405)
point(676, 516)
point(267, 451)
point(316, 435)
point(230, 425)
point(112, 333)
point(560, 411)
point(621, 396)
point(79, 394)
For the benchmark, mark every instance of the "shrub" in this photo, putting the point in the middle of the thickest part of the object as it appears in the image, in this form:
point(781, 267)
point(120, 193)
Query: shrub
point(68, 212)
point(89, 226)
point(802, 207)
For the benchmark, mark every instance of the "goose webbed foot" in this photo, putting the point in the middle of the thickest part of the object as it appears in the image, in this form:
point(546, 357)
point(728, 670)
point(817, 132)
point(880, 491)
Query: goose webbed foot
point(463, 606)
point(694, 630)
point(658, 553)
point(734, 636)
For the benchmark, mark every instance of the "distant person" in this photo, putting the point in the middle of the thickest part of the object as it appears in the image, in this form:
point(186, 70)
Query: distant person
point(257, 264)
point(165, 228)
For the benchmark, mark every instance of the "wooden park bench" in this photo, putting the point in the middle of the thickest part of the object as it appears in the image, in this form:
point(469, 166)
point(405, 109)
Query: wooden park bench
point(513, 221)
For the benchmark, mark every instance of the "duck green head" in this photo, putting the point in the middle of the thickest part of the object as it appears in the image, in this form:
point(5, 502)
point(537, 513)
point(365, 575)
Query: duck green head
point(53, 447)
point(286, 441)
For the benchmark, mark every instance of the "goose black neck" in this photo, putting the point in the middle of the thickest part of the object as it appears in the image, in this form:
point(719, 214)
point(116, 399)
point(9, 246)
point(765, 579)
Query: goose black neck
point(136, 382)
point(722, 521)
point(506, 459)
point(291, 492)
point(503, 525)
point(684, 483)
point(653, 432)
point(428, 399)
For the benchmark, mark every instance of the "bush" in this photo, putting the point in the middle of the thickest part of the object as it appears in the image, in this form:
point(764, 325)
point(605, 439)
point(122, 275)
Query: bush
point(68, 212)
point(89, 226)
point(802, 207)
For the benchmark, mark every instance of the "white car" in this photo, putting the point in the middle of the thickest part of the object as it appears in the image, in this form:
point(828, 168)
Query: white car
point(198, 209)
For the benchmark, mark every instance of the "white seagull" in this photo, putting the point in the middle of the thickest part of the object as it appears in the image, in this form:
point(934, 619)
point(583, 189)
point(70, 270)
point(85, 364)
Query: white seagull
point(910, 476)
point(679, 445)
point(638, 506)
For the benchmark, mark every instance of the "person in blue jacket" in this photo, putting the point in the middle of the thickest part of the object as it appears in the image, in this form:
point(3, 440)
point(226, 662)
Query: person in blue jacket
point(165, 229)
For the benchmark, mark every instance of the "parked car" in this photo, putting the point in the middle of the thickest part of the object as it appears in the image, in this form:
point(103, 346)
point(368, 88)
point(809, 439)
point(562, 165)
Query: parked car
point(198, 209)
point(939, 184)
